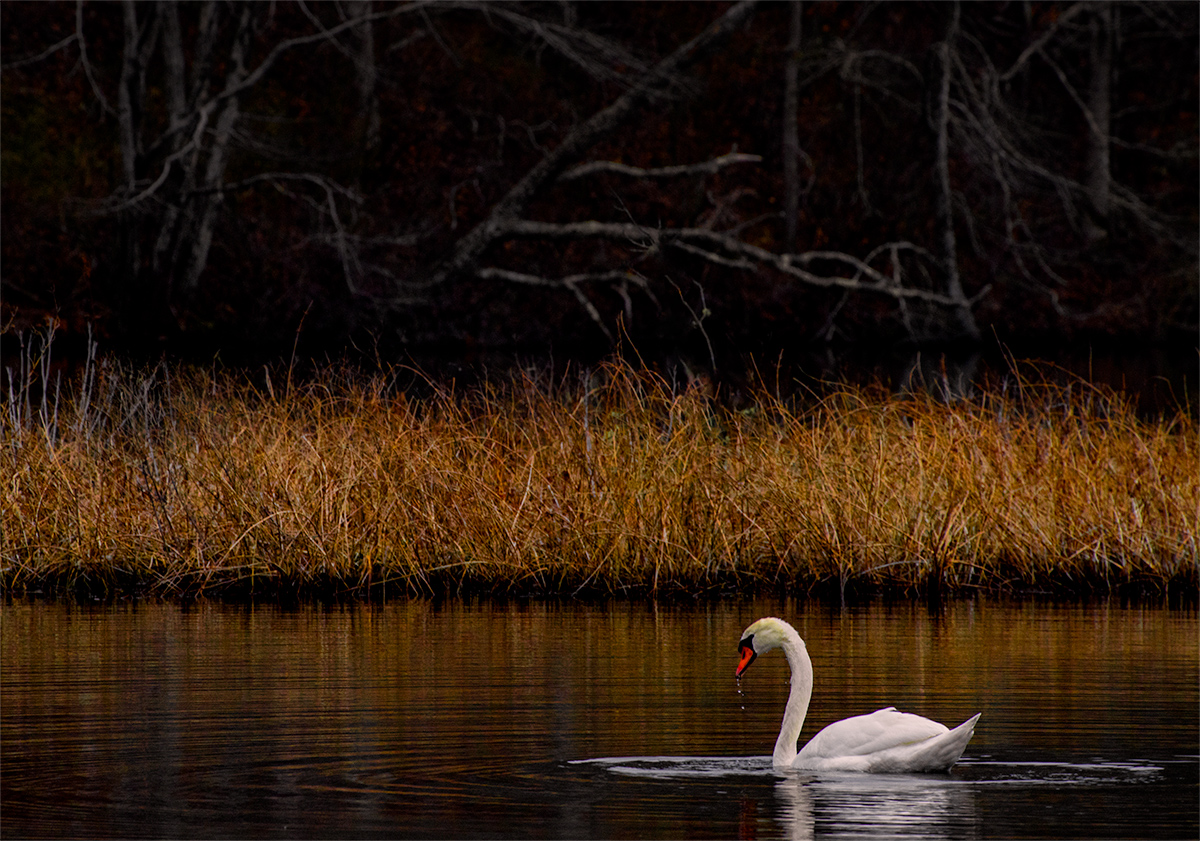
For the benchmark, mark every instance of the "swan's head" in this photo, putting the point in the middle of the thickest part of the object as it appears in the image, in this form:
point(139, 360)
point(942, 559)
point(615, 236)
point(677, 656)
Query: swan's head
point(759, 638)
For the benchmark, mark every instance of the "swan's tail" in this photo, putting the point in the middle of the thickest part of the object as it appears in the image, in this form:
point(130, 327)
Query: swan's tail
point(943, 751)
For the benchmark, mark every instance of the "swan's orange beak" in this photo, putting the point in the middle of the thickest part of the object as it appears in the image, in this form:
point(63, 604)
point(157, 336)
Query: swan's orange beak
point(747, 652)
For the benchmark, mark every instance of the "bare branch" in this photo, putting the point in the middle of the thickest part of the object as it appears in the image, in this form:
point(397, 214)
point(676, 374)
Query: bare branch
point(333, 41)
point(87, 65)
point(710, 167)
point(441, 42)
point(981, 122)
point(492, 273)
point(698, 318)
point(571, 282)
point(326, 184)
point(528, 229)
point(408, 240)
point(1097, 132)
point(1181, 151)
point(723, 249)
point(44, 54)
point(850, 69)
point(251, 79)
point(352, 267)
point(856, 58)
point(471, 247)
point(597, 56)
point(153, 187)
point(1037, 45)
point(713, 257)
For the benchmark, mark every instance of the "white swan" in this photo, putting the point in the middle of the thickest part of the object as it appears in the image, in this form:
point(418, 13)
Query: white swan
point(886, 741)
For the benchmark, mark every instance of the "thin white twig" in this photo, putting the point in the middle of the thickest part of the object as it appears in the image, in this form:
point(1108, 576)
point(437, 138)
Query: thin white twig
point(710, 167)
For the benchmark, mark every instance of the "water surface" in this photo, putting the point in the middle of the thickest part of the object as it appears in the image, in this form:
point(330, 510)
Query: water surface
point(563, 720)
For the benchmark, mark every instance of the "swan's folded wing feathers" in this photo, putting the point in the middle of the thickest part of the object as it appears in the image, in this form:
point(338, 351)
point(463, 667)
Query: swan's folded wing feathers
point(866, 734)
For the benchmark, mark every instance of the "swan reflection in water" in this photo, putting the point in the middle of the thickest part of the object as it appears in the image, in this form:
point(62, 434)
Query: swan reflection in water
point(835, 804)
point(872, 805)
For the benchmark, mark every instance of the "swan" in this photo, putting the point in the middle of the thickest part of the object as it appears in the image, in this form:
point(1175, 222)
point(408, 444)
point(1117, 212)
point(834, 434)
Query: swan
point(886, 741)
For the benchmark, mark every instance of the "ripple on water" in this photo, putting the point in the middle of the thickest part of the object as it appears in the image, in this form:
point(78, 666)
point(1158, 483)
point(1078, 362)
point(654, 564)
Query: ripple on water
point(677, 767)
point(967, 771)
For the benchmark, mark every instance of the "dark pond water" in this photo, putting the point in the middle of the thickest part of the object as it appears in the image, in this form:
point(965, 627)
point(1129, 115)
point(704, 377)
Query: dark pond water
point(548, 720)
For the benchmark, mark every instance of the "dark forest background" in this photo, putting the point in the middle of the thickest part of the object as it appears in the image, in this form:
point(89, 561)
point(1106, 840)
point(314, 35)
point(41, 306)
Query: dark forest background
point(692, 177)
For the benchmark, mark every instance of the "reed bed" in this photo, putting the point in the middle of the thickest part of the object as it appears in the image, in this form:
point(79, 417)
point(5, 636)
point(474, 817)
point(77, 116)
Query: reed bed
point(184, 481)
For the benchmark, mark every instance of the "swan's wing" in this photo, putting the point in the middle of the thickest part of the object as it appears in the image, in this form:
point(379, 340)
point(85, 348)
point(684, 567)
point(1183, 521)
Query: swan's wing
point(886, 741)
point(867, 734)
point(936, 754)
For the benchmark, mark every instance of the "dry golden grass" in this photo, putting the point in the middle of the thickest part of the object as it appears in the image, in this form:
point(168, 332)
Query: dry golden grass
point(184, 481)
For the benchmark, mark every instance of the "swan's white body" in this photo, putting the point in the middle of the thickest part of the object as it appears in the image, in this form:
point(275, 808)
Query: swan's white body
point(886, 741)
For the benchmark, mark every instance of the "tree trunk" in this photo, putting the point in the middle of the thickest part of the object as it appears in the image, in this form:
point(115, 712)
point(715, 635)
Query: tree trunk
point(135, 297)
point(791, 137)
point(218, 157)
point(1099, 173)
point(963, 322)
point(366, 73)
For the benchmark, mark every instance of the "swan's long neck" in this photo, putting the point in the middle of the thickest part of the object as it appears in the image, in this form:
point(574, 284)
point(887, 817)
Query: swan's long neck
point(797, 705)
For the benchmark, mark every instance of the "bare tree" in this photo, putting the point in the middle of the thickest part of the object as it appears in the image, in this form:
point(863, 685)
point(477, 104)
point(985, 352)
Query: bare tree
point(988, 141)
point(176, 162)
point(881, 272)
point(983, 194)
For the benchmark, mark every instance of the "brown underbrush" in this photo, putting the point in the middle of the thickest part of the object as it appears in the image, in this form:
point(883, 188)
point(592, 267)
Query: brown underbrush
point(184, 481)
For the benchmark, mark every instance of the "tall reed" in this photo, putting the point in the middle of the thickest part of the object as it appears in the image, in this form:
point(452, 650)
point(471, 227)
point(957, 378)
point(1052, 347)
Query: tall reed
point(181, 480)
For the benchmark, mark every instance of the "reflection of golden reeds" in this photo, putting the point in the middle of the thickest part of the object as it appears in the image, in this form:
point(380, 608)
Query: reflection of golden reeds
point(185, 481)
point(419, 683)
